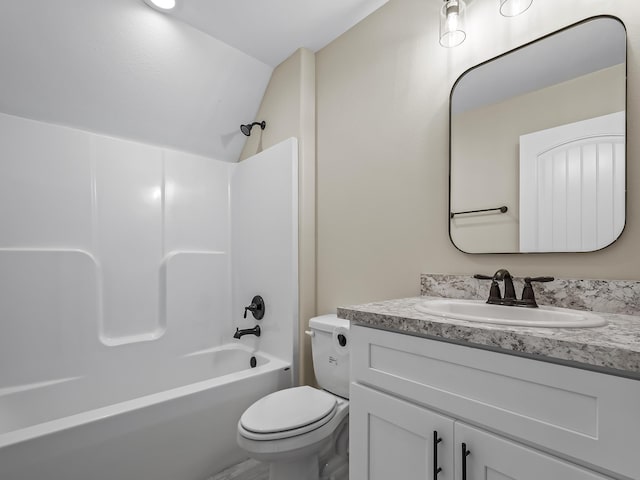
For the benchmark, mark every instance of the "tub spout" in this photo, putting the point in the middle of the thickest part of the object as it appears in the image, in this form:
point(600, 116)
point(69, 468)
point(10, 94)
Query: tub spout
point(248, 331)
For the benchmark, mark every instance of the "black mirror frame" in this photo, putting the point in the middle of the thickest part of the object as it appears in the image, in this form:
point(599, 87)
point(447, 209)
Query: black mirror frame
point(449, 213)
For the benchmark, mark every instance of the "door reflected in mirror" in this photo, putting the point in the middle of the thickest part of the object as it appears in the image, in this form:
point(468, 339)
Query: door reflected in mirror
point(537, 146)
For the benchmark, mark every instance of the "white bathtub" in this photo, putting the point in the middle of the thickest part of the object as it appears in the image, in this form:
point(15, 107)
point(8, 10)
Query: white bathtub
point(161, 422)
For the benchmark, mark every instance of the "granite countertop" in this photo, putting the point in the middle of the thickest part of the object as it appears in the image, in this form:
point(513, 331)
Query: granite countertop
point(613, 348)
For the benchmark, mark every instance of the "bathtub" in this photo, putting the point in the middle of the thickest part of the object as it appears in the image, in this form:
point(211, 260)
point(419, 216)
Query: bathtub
point(155, 422)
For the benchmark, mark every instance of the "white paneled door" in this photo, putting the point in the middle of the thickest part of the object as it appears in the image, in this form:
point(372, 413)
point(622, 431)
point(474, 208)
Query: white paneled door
point(572, 186)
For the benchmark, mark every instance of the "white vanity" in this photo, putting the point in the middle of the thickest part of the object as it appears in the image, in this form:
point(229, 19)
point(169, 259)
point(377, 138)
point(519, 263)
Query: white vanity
point(418, 401)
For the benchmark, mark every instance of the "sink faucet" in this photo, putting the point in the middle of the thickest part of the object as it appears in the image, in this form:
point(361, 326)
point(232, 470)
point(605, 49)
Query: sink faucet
point(495, 297)
point(247, 331)
point(510, 299)
point(503, 275)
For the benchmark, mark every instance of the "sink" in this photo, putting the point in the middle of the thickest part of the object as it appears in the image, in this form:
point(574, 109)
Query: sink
point(479, 311)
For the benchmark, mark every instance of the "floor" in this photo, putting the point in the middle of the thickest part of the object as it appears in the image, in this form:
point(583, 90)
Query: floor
point(247, 470)
point(254, 470)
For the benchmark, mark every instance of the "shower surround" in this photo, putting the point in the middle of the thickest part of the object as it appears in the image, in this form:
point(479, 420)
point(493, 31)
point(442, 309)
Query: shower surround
point(124, 270)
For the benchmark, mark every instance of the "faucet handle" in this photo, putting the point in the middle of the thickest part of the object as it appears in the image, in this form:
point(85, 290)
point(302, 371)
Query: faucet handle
point(256, 308)
point(482, 277)
point(528, 295)
point(494, 291)
point(538, 279)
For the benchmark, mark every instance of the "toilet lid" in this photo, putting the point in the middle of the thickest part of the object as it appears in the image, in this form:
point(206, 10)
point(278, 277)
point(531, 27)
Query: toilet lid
point(288, 410)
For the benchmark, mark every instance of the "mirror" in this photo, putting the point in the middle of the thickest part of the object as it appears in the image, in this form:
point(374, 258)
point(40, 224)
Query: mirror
point(537, 145)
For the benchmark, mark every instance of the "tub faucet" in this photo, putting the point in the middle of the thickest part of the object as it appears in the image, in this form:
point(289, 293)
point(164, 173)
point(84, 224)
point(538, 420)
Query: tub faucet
point(247, 331)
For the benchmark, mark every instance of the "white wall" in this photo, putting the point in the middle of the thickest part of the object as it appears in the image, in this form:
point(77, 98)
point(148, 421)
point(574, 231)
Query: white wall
point(115, 254)
point(118, 67)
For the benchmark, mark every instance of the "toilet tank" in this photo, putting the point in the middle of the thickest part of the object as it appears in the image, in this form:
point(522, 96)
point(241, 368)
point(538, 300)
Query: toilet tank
point(330, 346)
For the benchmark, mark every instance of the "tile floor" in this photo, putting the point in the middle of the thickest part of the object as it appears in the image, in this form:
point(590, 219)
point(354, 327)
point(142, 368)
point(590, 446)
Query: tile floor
point(247, 470)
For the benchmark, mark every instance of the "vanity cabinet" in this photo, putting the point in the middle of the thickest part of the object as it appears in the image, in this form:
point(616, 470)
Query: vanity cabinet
point(394, 439)
point(521, 419)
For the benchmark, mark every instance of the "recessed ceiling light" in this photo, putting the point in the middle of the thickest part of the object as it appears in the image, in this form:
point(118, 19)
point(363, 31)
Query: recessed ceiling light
point(161, 4)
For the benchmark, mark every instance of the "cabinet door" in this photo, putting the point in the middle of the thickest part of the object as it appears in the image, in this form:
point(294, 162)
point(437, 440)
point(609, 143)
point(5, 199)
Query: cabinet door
point(494, 458)
point(589, 416)
point(392, 439)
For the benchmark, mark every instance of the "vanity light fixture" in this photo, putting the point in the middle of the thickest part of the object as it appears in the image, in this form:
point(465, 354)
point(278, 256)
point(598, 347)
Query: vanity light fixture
point(452, 31)
point(512, 8)
point(162, 5)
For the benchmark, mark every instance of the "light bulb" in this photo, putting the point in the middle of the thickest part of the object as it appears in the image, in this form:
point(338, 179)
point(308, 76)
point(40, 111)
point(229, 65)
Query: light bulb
point(452, 21)
point(512, 8)
point(452, 31)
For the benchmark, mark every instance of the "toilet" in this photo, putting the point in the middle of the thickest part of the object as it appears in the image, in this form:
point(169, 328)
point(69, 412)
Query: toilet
point(303, 432)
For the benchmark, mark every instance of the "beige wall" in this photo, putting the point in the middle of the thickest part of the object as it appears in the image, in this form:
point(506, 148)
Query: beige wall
point(485, 152)
point(382, 149)
point(288, 107)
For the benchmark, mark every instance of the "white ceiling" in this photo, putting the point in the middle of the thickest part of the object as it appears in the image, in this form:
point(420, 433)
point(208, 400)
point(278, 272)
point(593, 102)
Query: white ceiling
point(271, 30)
point(120, 68)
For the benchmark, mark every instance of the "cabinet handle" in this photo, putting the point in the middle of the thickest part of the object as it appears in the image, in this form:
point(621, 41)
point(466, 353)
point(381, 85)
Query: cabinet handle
point(465, 453)
point(436, 468)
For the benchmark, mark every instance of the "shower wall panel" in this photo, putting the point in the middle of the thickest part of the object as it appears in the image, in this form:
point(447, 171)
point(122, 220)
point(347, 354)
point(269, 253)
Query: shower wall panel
point(128, 234)
point(48, 315)
point(45, 186)
point(264, 232)
point(105, 244)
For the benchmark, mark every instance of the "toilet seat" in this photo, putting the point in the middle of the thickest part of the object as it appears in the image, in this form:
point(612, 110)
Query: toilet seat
point(293, 444)
point(288, 413)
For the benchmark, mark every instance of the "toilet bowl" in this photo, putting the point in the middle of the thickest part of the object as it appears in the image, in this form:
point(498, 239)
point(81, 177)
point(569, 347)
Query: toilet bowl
point(302, 432)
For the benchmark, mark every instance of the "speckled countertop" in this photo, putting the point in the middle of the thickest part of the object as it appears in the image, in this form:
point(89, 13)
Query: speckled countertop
point(614, 348)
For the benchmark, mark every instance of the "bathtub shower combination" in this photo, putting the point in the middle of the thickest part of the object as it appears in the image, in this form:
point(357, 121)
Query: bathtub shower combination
point(124, 272)
point(130, 428)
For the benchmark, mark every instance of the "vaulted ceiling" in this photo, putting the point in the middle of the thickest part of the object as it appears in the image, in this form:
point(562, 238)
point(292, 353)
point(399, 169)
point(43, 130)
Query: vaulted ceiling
point(271, 30)
point(120, 68)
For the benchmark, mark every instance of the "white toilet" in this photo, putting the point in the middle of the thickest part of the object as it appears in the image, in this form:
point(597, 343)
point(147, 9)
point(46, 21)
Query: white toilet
point(303, 432)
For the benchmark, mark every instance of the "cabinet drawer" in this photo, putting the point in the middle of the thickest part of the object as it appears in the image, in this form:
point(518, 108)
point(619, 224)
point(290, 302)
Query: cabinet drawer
point(587, 417)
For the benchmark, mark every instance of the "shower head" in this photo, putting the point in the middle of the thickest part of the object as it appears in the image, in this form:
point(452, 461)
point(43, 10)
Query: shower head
point(246, 129)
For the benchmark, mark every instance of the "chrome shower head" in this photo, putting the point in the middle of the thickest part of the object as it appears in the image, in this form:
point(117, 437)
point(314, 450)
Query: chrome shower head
point(246, 129)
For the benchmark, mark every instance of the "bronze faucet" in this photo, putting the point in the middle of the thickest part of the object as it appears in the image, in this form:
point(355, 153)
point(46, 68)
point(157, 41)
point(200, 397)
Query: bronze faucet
point(247, 331)
point(510, 299)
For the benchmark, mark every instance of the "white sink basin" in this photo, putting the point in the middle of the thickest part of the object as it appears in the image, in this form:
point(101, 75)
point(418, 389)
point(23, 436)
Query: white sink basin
point(479, 311)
